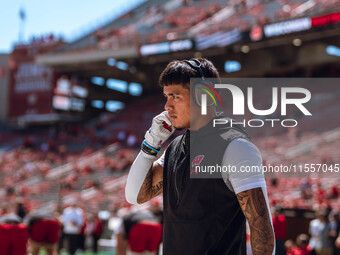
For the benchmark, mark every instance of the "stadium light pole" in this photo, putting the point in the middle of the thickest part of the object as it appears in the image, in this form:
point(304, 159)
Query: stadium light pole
point(22, 16)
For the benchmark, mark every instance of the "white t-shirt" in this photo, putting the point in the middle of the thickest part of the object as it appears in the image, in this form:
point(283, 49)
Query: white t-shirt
point(72, 219)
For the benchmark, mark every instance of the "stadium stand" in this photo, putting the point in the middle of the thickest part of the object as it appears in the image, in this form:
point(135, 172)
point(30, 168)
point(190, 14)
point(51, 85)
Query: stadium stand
point(50, 166)
point(154, 21)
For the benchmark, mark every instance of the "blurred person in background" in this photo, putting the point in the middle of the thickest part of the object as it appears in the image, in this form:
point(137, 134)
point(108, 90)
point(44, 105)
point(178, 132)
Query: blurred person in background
point(61, 232)
point(289, 245)
point(319, 230)
point(139, 232)
point(82, 235)
point(301, 247)
point(13, 235)
point(21, 210)
point(44, 232)
point(280, 229)
point(73, 220)
point(335, 232)
point(94, 229)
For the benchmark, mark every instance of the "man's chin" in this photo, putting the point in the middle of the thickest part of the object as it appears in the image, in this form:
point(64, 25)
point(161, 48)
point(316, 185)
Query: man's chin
point(179, 128)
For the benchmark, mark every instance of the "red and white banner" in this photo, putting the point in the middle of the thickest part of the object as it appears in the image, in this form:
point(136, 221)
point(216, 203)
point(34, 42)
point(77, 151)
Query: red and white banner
point(30, 86)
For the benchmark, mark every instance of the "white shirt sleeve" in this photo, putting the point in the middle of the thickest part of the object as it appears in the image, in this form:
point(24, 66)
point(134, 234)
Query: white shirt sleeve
point(119, 227)
point(243, 156)
point(160, 161)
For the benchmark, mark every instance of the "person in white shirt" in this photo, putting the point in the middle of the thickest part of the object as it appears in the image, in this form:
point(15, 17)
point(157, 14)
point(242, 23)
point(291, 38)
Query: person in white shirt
point(72, 220)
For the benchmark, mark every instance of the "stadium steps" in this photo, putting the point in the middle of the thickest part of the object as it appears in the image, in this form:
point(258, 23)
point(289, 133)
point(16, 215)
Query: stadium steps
point(50, 198)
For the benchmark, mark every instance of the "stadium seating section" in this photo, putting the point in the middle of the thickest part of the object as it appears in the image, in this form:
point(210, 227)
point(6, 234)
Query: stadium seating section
point(158, 21)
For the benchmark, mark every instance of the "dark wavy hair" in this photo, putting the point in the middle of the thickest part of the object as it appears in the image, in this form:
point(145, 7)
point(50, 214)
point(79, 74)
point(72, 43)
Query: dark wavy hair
point(180, 72)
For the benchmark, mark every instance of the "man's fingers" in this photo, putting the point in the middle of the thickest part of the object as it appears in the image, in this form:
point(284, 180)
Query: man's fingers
point(167, 126)
point(166, 114)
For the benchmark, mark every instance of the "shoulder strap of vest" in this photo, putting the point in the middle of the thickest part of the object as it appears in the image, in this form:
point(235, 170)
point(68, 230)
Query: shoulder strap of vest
point(236, 131)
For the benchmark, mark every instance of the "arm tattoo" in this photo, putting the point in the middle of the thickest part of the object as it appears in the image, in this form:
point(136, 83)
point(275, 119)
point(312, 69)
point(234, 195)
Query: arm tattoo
point(253, 205)
point(156, 188)
point(149, 189)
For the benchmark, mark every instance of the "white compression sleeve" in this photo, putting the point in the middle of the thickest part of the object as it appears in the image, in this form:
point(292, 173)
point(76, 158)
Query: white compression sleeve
point(137, 174)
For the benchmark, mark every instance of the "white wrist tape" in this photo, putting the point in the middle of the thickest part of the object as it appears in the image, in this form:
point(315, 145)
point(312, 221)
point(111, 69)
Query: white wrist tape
point(137, 174)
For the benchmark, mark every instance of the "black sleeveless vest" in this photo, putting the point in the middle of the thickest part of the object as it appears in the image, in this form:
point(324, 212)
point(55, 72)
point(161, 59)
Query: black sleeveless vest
point(201, 216)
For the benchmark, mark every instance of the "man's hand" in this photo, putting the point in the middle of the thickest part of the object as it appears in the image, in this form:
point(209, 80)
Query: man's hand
point(254, 207)
point(160, 130)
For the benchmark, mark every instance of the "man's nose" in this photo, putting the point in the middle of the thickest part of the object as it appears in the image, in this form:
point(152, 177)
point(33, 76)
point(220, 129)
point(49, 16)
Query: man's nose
point(168, 105)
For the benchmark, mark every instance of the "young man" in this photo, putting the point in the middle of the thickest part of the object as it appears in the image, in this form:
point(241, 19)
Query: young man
point(201, 216)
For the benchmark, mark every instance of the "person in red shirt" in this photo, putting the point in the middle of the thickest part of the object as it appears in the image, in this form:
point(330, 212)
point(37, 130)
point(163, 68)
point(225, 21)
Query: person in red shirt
point(289, 245)
point(82, 236)
point(44, 231)
point(139, 232)
point(280, 229)
point(98, 229)
point(13, 235)
point(301, 247)
point(94, 228)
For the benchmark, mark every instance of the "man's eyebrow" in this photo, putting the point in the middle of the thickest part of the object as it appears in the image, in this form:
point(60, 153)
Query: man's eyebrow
point(172, 94)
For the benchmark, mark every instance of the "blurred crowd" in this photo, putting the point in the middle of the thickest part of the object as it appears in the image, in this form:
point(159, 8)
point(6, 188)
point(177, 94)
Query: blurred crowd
point(323, 237)
point(24, 231)
point(160, 21)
